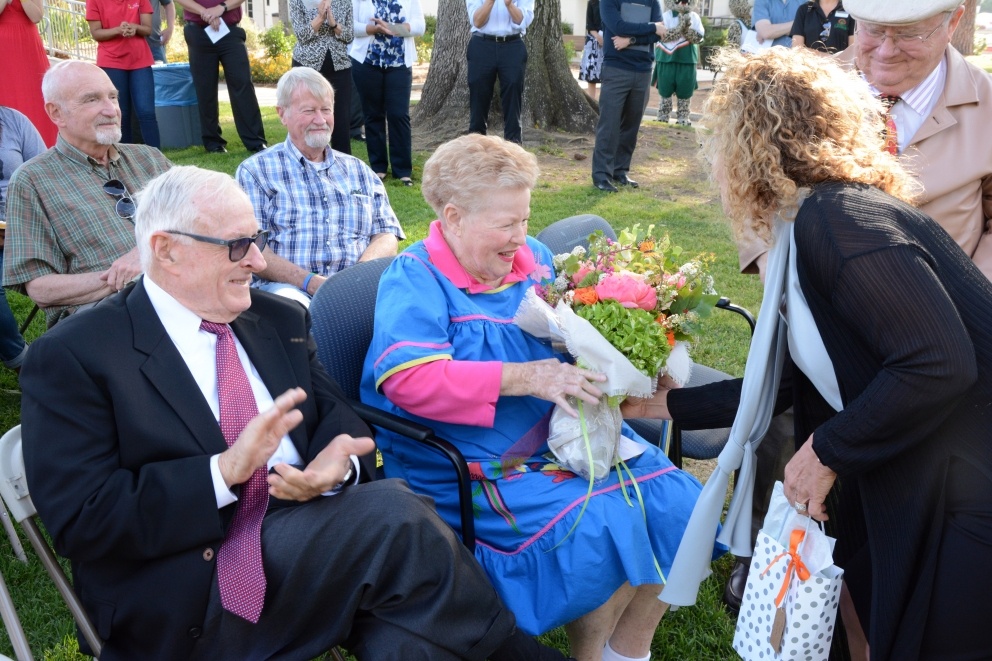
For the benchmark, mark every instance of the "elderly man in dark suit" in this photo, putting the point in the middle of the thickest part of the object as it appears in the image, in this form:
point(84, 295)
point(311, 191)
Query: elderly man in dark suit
point(201, 528)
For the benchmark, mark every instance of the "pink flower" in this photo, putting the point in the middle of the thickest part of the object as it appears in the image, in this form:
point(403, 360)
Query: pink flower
point(629, 291)
point(541, 273)
point(580, 274)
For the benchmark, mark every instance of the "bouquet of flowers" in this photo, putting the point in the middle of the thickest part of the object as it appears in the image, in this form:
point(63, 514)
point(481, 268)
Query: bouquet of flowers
point(629, 308)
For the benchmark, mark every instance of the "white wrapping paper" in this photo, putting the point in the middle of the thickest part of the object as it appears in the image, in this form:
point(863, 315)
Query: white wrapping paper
point(583, 342)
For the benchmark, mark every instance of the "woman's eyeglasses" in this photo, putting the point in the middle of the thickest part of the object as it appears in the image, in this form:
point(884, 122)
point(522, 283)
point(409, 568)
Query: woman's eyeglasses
point(125, 205)
point(236, 248)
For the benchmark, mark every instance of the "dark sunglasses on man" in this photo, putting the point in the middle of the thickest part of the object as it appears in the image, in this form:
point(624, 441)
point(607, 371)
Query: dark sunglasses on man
point(236, 248)
point(125, 205)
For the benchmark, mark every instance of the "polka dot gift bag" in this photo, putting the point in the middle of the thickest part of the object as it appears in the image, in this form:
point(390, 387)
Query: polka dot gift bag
point(789, 610)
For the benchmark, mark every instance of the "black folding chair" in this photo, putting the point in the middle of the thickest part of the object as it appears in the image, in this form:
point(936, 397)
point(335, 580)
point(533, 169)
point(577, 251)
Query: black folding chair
point(343, 311)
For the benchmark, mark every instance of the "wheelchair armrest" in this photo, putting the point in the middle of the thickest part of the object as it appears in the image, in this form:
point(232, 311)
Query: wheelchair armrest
point(725, 304)
point(423, 434)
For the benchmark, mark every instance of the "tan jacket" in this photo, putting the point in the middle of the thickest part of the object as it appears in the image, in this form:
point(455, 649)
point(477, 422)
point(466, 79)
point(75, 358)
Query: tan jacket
point(951, 154)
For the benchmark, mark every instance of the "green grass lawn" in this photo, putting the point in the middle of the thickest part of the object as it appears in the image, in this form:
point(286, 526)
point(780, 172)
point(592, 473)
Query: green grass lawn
point(982, 61)
point(690, 215)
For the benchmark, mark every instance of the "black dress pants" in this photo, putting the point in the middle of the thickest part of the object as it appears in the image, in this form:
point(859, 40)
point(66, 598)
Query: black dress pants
point(488, 61)
point(373, 568)
point(229, 52)
point(385, 93)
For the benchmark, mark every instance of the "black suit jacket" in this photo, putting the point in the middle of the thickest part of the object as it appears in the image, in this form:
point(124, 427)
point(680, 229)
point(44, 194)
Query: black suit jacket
point(117, 443)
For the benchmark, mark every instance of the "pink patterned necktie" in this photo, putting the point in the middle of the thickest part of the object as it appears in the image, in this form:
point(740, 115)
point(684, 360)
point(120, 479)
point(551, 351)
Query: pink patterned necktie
point(891, 136)
point(240, 575)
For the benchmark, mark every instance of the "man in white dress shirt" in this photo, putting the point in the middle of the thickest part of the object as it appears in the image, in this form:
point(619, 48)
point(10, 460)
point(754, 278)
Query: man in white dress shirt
point(496, 50)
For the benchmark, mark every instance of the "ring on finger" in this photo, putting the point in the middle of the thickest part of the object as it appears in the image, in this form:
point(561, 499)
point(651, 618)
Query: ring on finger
point(801, 507)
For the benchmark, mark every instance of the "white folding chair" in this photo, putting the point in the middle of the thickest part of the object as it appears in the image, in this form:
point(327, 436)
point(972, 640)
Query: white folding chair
point(14, 490)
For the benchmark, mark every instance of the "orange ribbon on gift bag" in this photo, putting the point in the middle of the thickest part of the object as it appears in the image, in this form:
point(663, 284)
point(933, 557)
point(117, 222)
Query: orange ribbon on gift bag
point(795, 566)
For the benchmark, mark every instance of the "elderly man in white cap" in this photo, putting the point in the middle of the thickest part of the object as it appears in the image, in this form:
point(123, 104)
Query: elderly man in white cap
point(942, 105)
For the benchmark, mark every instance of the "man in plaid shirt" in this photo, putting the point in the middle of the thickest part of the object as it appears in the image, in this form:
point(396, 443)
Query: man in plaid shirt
point(326, 210)
point(70, 225)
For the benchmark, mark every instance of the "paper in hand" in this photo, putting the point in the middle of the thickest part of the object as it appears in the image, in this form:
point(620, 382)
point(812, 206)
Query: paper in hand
point(219, 33)
point(398, 29)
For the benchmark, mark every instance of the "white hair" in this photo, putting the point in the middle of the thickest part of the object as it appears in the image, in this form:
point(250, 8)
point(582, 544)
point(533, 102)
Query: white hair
point(171, 202)
point(304, 77)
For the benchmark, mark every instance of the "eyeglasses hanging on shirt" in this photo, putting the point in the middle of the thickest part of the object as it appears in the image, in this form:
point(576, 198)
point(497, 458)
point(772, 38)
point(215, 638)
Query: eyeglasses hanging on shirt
point(125, 207)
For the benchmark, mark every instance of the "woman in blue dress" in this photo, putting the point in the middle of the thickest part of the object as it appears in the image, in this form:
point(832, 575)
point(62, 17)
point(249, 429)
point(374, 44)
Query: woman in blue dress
point(446, 353)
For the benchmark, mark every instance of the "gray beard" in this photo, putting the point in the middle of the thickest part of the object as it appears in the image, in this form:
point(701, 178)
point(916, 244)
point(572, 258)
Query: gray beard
point(108, 135)
point(317, 139)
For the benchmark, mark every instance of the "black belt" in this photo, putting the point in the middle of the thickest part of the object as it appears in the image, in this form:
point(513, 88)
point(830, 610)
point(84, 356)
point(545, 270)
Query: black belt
point(206, 25)
point(493, 37)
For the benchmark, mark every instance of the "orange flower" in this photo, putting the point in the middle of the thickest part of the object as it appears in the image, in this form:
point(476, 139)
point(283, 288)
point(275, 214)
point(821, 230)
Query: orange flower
point(661, 319)
point(671, 339)
point(586, 296)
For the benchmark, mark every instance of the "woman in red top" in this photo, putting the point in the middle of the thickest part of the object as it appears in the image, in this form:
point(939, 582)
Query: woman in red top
point(119, 27)
point(21, 43)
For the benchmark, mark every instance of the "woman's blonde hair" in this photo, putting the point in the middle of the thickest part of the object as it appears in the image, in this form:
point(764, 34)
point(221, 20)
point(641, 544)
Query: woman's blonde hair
point(465, 169)
point(789, 118)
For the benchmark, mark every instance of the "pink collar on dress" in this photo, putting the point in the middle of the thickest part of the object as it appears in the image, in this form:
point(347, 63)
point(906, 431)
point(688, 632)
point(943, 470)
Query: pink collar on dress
point(441, 256)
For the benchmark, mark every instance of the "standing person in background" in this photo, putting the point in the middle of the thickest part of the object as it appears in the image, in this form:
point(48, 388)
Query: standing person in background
point(823, 25)
point(120, 28)
point(592, 52)
point(773, 20)
point(383, 62)
point(21, 43)
point(229, 52)
point(322, 37)
point(19, 142)
point(159, 38)
point(497, 50)
point(630, 28)
point(676, 60)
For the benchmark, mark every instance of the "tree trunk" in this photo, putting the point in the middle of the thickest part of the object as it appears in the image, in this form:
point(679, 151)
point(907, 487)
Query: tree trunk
point(553, 100)
point(964, 36)
point(284, 16)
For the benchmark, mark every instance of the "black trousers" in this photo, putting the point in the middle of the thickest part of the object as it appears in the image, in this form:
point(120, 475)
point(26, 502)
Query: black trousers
point(373, 568)
point(229, 52)
point(341, 82)
point(385, 93)
point(488, 61)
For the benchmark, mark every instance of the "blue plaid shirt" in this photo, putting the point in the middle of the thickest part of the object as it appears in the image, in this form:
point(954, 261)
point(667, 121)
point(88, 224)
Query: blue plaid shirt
point(322, 215)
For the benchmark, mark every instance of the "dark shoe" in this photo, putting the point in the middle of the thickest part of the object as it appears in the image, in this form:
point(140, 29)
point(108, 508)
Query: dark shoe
point(407, 181)
point(624, 180)
point(221, 149)
point(733, 593)
point(605, 186)
point(358, 136)
point(255, 150)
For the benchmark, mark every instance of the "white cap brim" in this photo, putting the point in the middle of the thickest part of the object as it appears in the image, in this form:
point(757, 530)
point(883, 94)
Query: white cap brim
point(898, 12)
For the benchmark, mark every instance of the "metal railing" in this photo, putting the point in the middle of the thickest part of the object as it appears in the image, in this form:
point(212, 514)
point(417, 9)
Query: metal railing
point(65, 32)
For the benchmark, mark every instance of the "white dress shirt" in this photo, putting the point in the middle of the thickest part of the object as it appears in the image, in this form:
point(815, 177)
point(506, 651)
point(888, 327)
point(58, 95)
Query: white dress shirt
point(198, 349)
point(500, 23)
point(916, 104)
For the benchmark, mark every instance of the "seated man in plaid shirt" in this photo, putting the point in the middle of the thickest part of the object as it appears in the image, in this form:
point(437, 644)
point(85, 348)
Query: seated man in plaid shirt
point(326, 210)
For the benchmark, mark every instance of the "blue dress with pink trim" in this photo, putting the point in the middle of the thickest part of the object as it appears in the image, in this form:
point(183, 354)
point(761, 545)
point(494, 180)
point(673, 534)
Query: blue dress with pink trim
point(524, 503)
